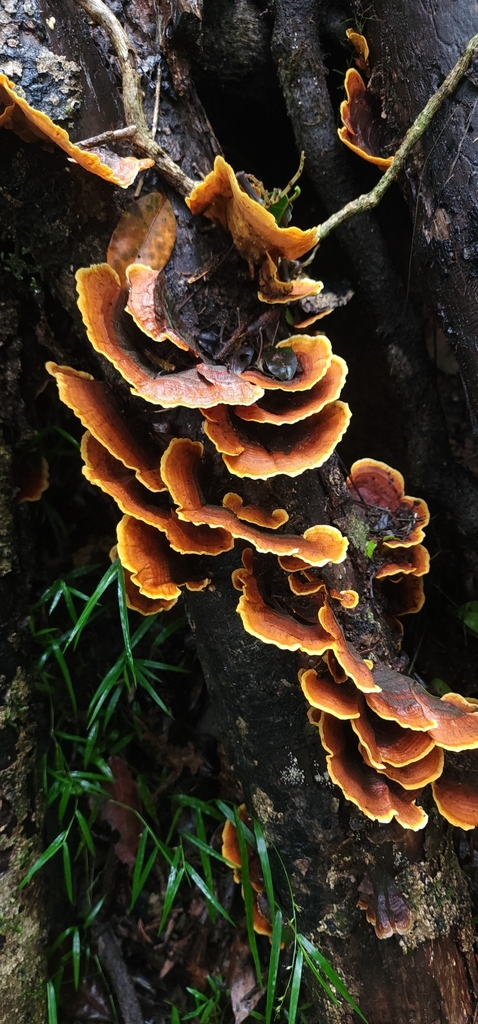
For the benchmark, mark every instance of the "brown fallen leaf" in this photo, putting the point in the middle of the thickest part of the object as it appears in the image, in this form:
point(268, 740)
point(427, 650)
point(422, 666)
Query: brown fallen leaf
point(116, 811)
point(241, 979)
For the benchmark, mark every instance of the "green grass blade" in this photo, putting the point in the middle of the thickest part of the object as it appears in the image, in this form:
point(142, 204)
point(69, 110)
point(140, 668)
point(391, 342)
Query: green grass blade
point(295, 986)
point(273, 965)
point(94, 912)
point(168, 631)
point(76, 956)
point(265, 865)
point(85, 831)
point(124, 619)
point(313, 954)
point(146, 685)
point(209, 895)
point(85, 616)
point(175, 878)
point(44, 857)
point(206, 848)
point(66, 676)
point(51, 1003)
point(67, 871)
point(249, 896)
point(205, 858)
point(198, 805)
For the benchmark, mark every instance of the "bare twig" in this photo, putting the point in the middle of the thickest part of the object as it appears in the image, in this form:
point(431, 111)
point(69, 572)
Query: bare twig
point(111, 959)
point(371, 199)
point(133, 98)
point(113, 136)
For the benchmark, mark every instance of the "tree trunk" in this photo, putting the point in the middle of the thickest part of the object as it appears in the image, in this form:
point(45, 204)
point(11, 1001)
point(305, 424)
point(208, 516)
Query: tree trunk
point(67, 69)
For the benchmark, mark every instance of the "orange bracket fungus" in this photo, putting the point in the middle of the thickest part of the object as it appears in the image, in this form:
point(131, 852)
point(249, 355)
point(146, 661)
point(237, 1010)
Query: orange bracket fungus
point(361, 120)
point(230, 850)
point(385, 736)
point(33, 126)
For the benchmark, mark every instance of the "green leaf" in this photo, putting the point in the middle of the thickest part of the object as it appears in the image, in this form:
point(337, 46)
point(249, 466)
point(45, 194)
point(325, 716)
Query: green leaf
point(273, 965)
point(295, 986)
point(265, 864)
point(314, 957)
point(94, 912)
point(76, 954)
point(66, 676)
point(85, 831)
point(248, 895)
point(370, 548)
point(468, 613)
point(51, 1003)
point(146, 685)
point(47, 854)
point(210, 897)
point(141, 871)
point(439, 687)
point(175, 878)
point(67, 871)
point(123, 612)
point(110, 574)
point(198, 805)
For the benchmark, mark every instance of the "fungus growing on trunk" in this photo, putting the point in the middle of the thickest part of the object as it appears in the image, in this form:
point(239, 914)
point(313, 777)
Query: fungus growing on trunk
point(33, 126)
point(360, 113)
point(384, 734)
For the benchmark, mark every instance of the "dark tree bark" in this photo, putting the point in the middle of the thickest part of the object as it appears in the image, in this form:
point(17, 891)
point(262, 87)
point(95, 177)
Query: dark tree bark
point(68, 70)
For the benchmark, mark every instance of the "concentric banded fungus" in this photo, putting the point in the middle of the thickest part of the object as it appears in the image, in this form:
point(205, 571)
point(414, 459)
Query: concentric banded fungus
point(386, 907)
point(361, 119)
point(91, 401)
point(253, 229)
point(378, 485)
point(135, 600)
point(456, 798)
point(31, 475)
point(397, 731)
point(290, 451)
point(379, 798)
point(253, 514)
point(277, 408)
point(108, 473)
point(101, 301)
point(154, 567)
point(147, 312)
point(180, 468)
point(361, 47)
point(31, 125)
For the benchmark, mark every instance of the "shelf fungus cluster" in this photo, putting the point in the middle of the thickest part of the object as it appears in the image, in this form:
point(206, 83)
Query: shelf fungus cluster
point(384, 734)
point(360, 111)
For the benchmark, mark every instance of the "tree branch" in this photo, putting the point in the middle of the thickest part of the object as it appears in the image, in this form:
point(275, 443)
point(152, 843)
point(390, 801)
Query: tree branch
point(133, 97)
point(371, 199)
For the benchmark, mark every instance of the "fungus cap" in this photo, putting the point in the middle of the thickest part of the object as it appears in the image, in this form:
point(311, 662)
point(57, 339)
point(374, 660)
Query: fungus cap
point(31, 124)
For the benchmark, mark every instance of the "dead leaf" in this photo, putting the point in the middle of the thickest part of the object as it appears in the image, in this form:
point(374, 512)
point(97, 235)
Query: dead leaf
point(116, 811)
point(241, 979)
point(145, 233)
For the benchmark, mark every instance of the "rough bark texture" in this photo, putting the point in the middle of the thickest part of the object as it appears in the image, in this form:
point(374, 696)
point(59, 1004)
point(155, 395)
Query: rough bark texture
point(441, 178)
point(326, 844)
point(22, 932)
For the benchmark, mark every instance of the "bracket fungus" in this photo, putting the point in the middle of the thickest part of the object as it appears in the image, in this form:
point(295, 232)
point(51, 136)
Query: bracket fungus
point(34, 126)
point(385, 736)
point(360, 113)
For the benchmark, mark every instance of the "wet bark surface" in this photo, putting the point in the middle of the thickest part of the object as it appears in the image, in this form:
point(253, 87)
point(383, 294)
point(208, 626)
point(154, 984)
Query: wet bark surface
point(413, 55)
point(327, 845)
